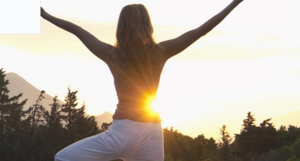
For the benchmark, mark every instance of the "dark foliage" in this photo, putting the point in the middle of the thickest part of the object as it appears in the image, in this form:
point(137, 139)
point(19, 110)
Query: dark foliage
point(36, 134)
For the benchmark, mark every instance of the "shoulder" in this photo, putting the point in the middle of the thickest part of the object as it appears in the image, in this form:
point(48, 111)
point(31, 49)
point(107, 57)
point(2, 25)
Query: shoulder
point(112, 61)
point(163, 52)
point(111, 56)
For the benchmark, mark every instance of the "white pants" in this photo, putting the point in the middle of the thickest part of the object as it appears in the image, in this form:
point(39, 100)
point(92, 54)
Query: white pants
point(125, 139)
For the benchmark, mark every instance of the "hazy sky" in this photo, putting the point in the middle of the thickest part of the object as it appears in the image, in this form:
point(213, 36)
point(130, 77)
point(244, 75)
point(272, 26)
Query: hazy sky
point(250, 62)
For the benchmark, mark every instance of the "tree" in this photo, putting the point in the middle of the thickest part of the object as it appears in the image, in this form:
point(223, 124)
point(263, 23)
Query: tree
point(248, 123)
point(179, 147)
point(171, 144)
point(254, 140)
point(203, 148)
point(85, 125)
point(69, 108)
point(10, 121)
point(224, 144)
point(267, 136)
point(246, 142)
point(78, 125)
point(36, 114)
point(10, 108)
point(200, 146)
point(54, 118)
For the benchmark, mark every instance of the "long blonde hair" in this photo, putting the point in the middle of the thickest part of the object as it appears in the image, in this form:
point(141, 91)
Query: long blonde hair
point(135, 43)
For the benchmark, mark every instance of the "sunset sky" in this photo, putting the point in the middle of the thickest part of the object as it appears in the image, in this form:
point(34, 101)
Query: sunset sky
point(250, 62)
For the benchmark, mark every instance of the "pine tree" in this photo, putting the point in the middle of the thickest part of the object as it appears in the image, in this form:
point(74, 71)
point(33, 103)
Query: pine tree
point(85, 125)
point(54, 118)
point(255, 140)
point(249, 123)
point(36, 114)
point(200, 146)
point(10, 108)
point(224, 144)
point(78, 124)
point(267, 136)
point(69, 108)
point(10, 121)
point(53, 132)
point(246, 142)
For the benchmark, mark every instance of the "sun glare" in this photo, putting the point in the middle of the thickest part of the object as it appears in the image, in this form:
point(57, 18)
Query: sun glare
point(160, 107)
point(166, 112)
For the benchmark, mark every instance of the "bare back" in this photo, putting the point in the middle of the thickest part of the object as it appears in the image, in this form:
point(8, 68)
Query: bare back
point(135, 93)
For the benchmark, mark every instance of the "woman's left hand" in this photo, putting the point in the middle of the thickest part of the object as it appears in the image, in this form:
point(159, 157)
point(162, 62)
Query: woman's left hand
point(43, 12)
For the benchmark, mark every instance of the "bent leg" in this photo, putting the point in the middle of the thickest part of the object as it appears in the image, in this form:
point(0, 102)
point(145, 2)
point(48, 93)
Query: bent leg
point(118, 142)
point(89, 149)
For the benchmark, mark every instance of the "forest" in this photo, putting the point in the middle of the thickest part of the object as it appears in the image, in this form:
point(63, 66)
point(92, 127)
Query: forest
point(36, 134)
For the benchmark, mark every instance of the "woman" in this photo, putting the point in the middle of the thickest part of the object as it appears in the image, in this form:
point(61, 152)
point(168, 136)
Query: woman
point(136, 63)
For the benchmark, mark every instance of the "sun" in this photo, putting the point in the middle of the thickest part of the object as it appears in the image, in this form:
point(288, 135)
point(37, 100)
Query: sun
point(167, 115)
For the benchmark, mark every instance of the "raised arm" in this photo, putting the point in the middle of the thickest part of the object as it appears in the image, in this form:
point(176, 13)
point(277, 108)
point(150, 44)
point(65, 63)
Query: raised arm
point(100, 49)
point(175, 46)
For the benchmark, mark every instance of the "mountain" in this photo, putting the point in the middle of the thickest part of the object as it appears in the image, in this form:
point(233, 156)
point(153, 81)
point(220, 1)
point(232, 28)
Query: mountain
point(18, 85)
point(105, 117)
point(289, 119)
